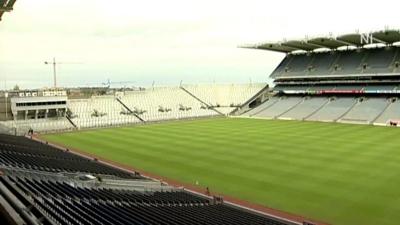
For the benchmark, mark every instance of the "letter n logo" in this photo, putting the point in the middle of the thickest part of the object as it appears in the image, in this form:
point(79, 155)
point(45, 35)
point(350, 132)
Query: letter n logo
point(366, 38)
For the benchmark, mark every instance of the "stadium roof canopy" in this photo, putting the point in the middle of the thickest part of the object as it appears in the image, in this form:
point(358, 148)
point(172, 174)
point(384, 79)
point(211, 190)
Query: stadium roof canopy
point(386, 37)
point(6, 6)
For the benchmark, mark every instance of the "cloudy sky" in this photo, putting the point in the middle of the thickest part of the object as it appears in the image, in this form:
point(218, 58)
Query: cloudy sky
point(139, 42)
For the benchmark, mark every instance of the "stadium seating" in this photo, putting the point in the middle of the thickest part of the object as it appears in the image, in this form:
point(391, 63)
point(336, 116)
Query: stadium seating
point(65, 202)
point(336, 108)
point(66, 190)
point(281, 68)
point(305, 109)
point(339, 70)
point(349, 62)
point(20, 152)
point(348, 85)
point(392, 113)
point(342, 109)
point(108, 108)
point(379, 59)
point(366, 111)
point(224, 98)
point(298, 65)
point(282, 106)
point(34, 178)
point(322, 63)
point(143, 105)
point(370, 61)
point(165, 103)
point(39, 125)
point(160, 103)
point(268, 103)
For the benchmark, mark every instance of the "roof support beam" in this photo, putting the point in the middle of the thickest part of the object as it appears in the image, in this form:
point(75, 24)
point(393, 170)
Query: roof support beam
point(293, 47)
point(319, 45)
point(355, 40)
point(379, 40)
point(345, 43)
point(6, 9)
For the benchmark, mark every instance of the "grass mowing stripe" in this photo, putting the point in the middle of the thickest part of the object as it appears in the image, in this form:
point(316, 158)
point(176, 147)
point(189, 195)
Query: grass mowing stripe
point(341, 173)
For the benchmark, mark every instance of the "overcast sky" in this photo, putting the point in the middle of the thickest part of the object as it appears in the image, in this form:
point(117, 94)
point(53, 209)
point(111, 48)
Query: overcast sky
point(167, 41)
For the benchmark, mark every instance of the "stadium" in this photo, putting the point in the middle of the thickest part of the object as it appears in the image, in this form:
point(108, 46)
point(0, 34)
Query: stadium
point(318, 147)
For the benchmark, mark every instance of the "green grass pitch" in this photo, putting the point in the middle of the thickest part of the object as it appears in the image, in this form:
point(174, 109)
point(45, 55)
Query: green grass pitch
point(338, 173)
